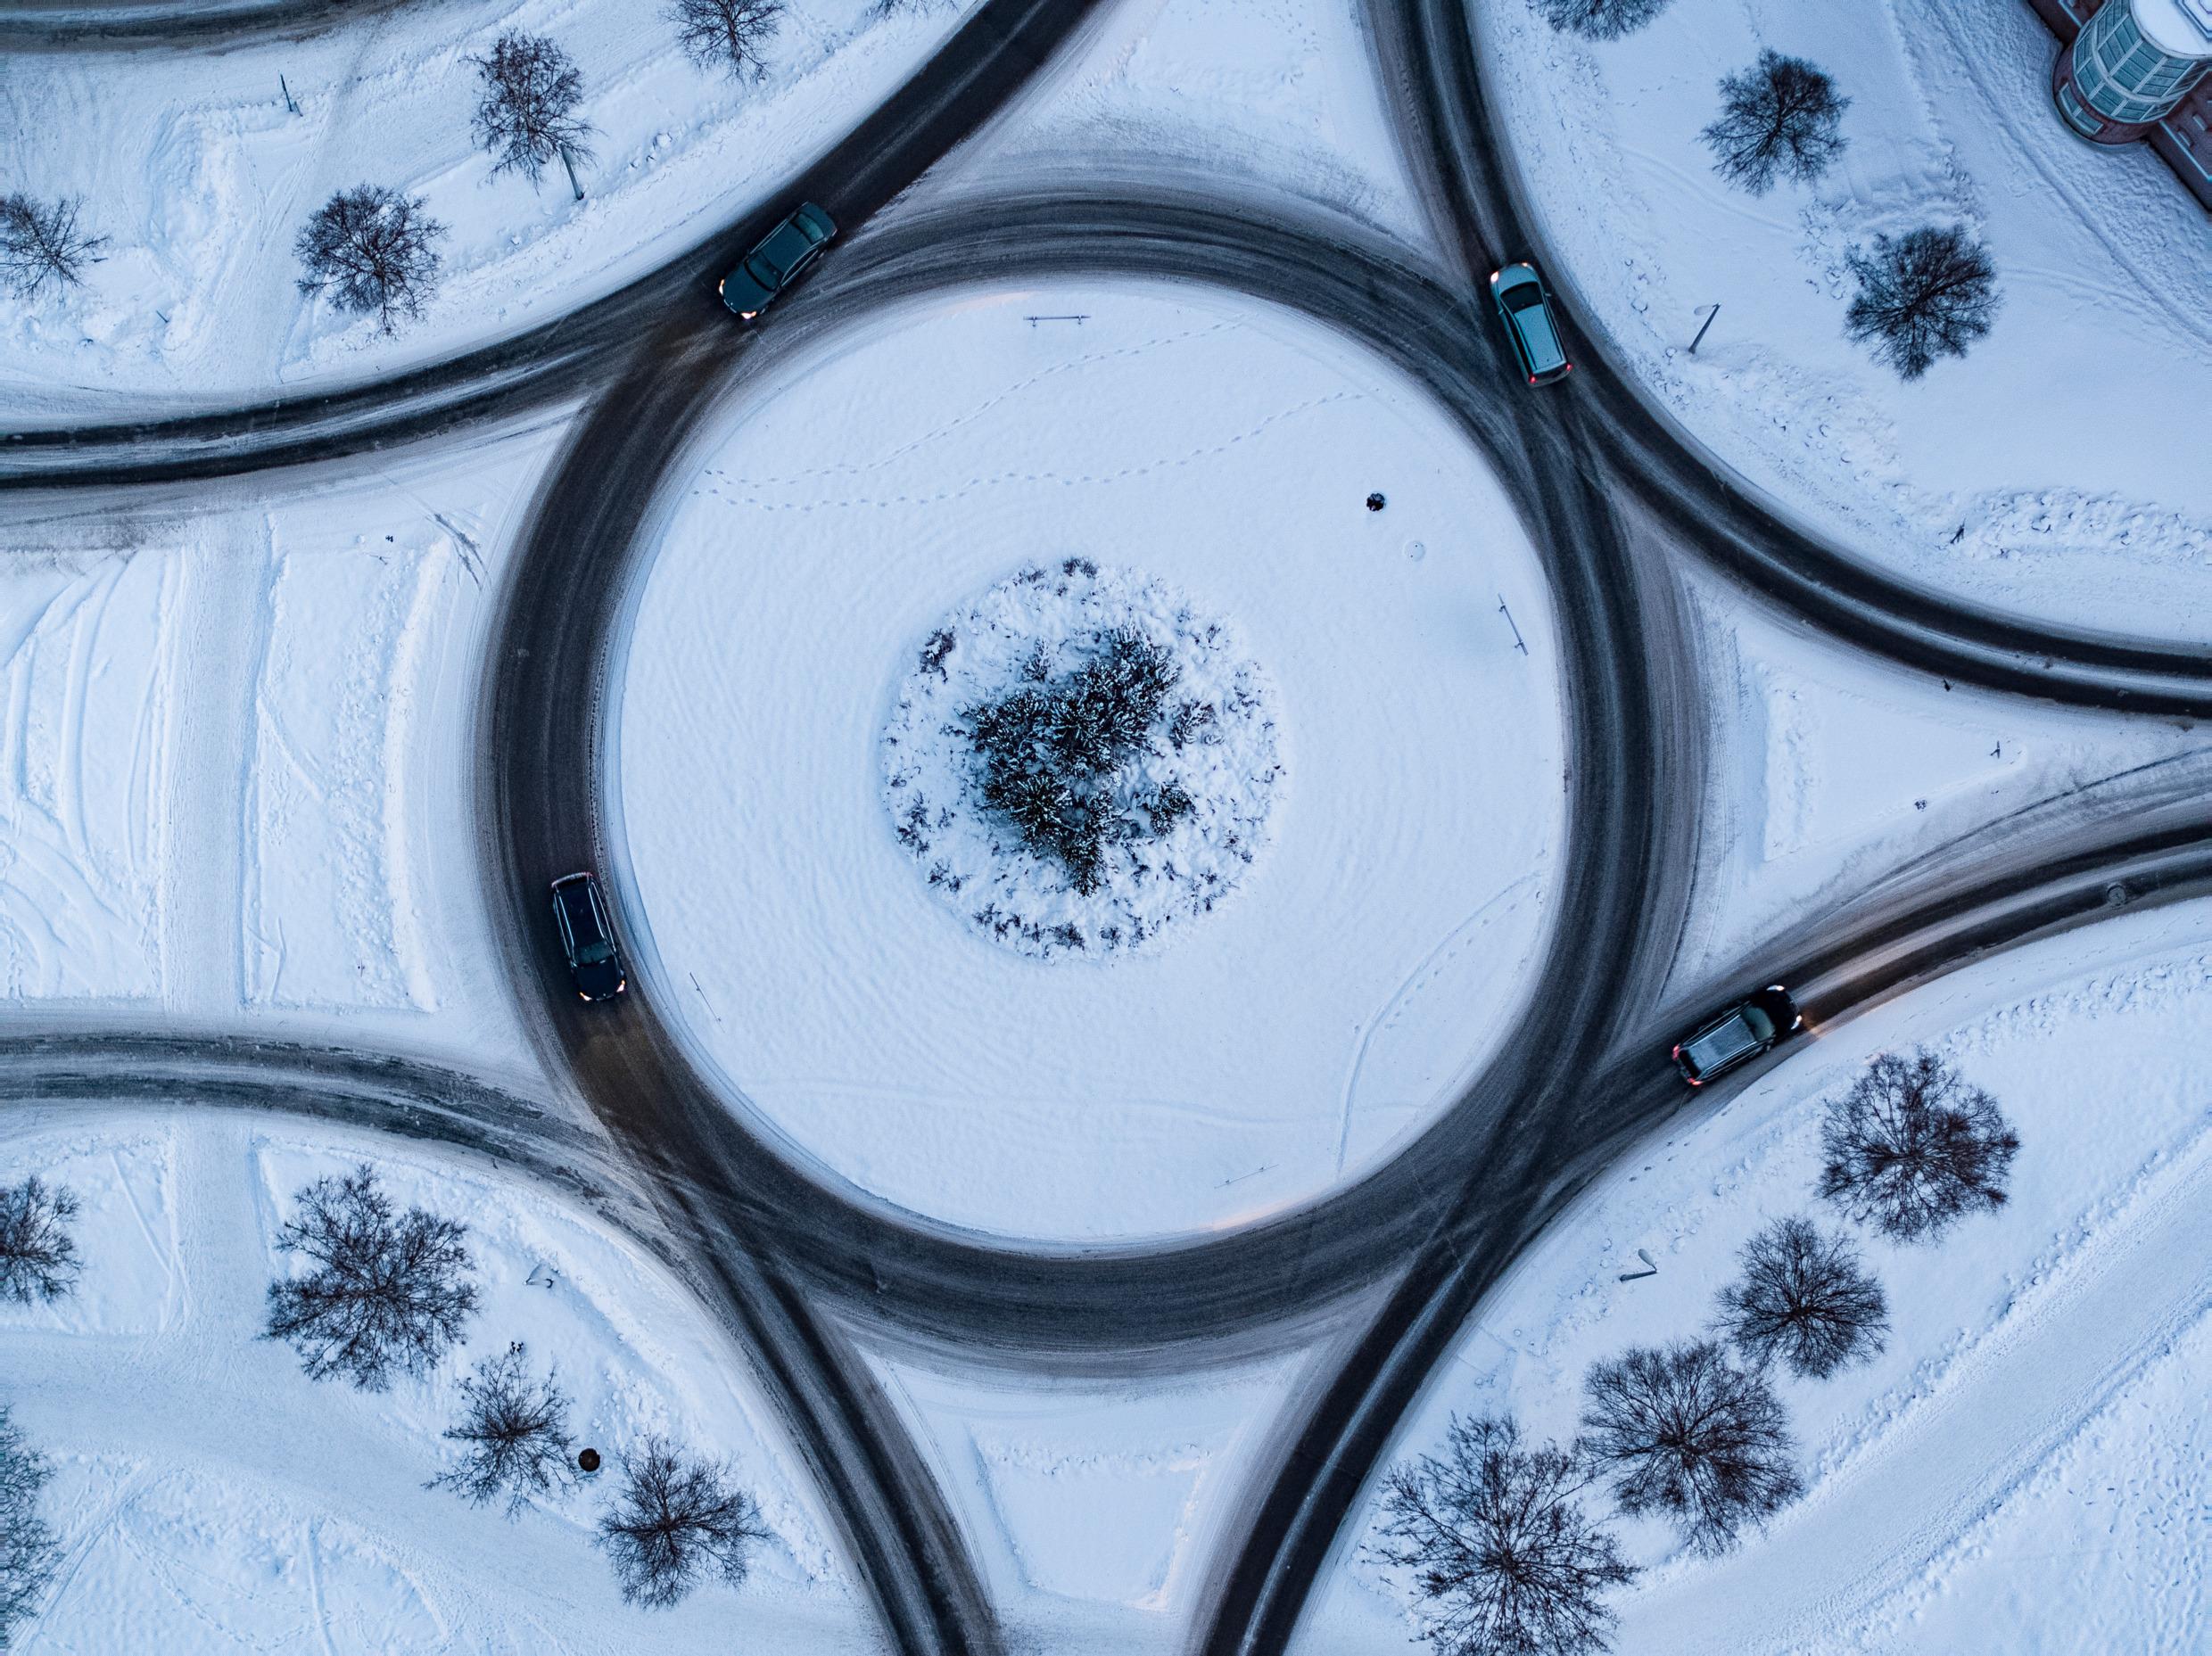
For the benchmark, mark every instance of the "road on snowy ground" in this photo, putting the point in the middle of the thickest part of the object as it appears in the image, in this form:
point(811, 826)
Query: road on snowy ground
point(988, 59)
point(82, 25)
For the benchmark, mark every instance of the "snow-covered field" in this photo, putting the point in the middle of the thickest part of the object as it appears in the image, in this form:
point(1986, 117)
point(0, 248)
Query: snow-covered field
point(2058, 470)
point(2004, 1477)
point(210, 1498)
point(1288, 1039)
point(237, 757)
point(200, 180)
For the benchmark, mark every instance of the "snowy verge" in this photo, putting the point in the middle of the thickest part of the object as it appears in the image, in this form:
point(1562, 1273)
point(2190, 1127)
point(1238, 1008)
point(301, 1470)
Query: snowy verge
point(2015, 1339)
point(2057, 470)
point(211, 1497)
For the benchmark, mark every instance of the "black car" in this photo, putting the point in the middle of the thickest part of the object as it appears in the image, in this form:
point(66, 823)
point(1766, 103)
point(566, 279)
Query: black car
point(775, 264)
point(586, 937)
point(1742, 1032)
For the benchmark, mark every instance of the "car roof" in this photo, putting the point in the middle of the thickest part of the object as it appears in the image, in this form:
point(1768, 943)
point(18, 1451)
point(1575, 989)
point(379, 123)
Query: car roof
point(1539, 336)
point(1720, 1042)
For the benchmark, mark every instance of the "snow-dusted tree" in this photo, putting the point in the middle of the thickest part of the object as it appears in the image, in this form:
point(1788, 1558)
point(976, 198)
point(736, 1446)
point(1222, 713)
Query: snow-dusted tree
point(1912, 1146)
point(27, 1548)
point(1497, 1546)
point(37, 1254)
point(373, 249)
point(513, 1431)
point(1779, 117)
point(40, 243)
point(732, 33)
point(527, 115)
point(1929, 292)
point(676, 1518)
point(1684, 1431)
point(1600, 20)
point(388, 1292)
point(1803, 1298)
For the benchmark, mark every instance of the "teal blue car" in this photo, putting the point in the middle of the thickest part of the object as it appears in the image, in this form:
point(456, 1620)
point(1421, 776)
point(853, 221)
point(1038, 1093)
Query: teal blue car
point(1525, 304)
point(775, 264)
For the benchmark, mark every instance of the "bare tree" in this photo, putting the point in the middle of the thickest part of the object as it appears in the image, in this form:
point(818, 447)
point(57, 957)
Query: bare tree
point(28, 1549)
point(387, 1292)
point(1804, 1298)
point(515, 1432)
point(527, 115)
point(1781, 116)
point(1929, 292)
point(37, 1254)
point(733, 34)
point(40, 243)
point(1912, 1147)
point(1600, 20)
point(675, 1518)
point(1498, 1547)
point(371, 249)
point(1686, 1432)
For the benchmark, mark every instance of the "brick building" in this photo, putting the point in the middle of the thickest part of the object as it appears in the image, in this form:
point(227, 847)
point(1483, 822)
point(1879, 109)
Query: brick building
point(2137, 70)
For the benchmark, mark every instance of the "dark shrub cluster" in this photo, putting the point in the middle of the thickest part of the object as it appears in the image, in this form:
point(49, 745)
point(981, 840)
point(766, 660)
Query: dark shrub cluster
point(1913, 1146)
point(1050, 751)
point(676, 1519)
point(37, 1254)
point(28, 1551)
point(1805, 1299)
point(512, 1431)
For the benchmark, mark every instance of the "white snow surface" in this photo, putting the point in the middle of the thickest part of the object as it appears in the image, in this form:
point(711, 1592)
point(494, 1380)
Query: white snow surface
point(201, 178)
point(1033, 631)
point(210, 1498)
point(2015, 1420)
point(2059, 469)
point(238, 769)
point(1305, 1027)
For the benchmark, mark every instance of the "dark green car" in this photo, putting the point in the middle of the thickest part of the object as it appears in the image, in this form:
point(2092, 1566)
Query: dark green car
point(772, 267)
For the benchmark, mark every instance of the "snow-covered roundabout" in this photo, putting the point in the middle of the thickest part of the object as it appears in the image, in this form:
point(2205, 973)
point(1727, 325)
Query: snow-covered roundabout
point(920, 559)
point(1079, 760)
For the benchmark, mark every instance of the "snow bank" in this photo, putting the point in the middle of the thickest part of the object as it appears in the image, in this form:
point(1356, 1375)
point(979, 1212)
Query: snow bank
point(2058, 470)
point(1302, 1029)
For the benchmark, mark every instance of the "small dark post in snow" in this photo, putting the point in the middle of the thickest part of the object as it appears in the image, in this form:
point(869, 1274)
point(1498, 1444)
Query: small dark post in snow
point(289, 105)
point(1518, 643)
point(1375, 503)
point(1651, 1268)
point(1701, 330)
point(588, 1461)
point(569, 161)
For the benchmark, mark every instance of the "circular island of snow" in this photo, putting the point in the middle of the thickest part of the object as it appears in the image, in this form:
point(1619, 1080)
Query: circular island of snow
point(1080, 760)
point(881, 483)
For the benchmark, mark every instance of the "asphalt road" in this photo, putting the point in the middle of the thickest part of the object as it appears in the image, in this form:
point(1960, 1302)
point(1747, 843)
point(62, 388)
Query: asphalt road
point(90, 25)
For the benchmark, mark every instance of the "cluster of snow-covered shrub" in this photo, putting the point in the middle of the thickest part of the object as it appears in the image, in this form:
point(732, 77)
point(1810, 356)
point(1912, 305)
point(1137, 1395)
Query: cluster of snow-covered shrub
point(1079, 759)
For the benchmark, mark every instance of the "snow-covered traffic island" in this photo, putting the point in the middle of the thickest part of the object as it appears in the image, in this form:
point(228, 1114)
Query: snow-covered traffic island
point(1127, 1130)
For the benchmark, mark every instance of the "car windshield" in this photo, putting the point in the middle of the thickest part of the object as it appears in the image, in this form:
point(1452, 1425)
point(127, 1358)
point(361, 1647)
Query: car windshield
point(782, 251)
point(1523, 297)
point(593, 953)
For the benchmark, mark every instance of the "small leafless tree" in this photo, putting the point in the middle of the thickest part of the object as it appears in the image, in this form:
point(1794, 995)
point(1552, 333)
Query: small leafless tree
point(1683, 1430)
point(1803, 1298)
point(373, 249)
point(28, 1549)
point(1498, 1547)
point(676, 1517)
point(527, 115)
point(1600, 20)
point(732, 33)
point(1779, 117)
point(1913, 1147)
point(388, 1292)
point(514, 1432)
point(1929, 292)
point(40, 243)
point(37, 1254)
